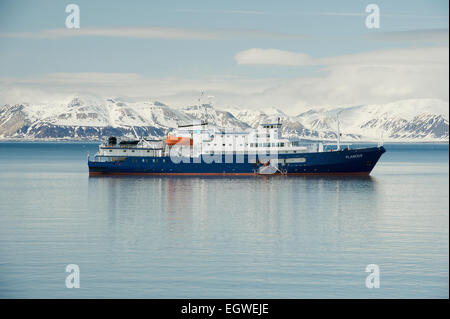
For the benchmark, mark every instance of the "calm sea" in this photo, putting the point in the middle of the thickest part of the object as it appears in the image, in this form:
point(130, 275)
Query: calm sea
point(252, 237)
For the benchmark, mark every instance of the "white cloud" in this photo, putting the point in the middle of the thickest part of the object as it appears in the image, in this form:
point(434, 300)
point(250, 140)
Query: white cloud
point(361, 13)
point(272, 57)
point(364, 78)
point(392, 57)
point(431, 57)
point(149, 33)
point(371, 77)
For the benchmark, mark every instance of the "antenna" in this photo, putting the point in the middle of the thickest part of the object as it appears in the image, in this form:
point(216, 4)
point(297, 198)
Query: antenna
point(338, 131)
point(381, 142)
point(200, 104)
point(199, 98)
point(210, 98)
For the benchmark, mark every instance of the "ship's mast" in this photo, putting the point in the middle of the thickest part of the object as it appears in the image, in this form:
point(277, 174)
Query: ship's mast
point(205, 114)
point(210, 99)
point(338, 132)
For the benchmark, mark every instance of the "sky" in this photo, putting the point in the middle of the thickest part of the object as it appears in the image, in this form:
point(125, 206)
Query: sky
point(293, 55)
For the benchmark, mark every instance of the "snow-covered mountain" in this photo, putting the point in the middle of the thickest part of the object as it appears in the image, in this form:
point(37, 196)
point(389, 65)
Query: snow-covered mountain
point(221, 118)
point(291, 125)
point(87, 118)
point(406, 120)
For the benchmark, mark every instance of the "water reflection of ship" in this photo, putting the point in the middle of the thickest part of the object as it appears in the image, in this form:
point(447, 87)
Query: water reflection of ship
point(178, 193)
point(190, 205)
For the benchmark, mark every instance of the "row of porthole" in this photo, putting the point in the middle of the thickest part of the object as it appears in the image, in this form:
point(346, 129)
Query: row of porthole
point(146, 161)
point(148, 151)
point(315, 170)
point(257, 144)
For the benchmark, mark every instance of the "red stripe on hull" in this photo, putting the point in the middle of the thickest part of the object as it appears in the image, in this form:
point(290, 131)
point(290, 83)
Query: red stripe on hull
point(228, 174)
point(171, 174)
point(334, 173)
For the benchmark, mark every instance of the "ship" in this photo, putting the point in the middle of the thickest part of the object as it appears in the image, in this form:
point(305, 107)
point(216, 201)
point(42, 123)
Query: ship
point(203, 149)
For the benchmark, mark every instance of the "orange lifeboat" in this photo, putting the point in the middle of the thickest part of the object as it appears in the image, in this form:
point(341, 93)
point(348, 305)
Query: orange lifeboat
point(175, 140)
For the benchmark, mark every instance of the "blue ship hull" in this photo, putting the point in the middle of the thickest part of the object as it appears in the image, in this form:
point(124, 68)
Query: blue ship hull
point(353, 161)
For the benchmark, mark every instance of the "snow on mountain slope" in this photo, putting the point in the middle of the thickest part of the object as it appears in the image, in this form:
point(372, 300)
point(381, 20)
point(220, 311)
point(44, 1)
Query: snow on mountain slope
point(90, 118)
point(292, 126)
point(143, 114)
point(12, 119)
point(86, 118)
point(221, 118)
point(256, 117)
point(407, 120)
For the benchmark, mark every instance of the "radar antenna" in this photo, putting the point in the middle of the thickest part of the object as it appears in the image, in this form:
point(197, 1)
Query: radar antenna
point(200, 107)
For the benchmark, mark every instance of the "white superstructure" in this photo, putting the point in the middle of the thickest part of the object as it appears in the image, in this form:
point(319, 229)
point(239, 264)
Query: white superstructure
point(201, 138)
point(208, 139)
